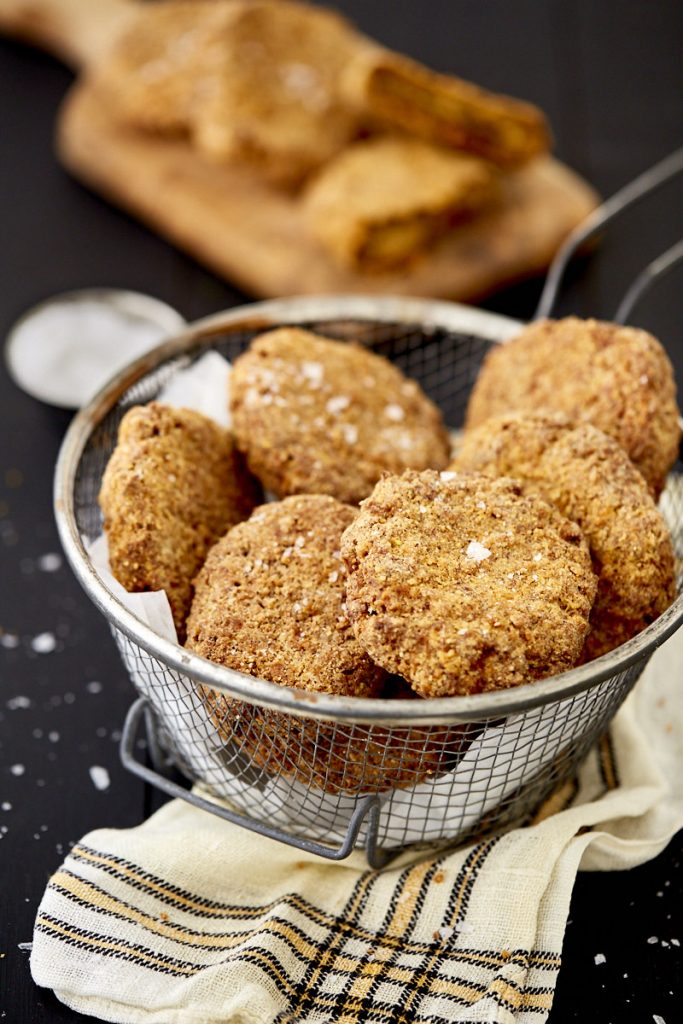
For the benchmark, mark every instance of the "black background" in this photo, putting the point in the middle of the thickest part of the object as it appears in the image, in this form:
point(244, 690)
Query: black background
point(610, 77)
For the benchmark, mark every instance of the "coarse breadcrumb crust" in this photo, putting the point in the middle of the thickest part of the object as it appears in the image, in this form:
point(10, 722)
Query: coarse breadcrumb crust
point(249, 82)
point(385, 200)
point(590, 479)
point(318, 416)
point(617, 378)
point(173, 485)
point(461, 584)
point(270, 601)
point(401, 94)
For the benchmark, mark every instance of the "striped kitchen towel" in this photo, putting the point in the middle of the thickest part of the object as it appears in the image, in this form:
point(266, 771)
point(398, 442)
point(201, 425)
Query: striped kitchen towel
point(189, 920)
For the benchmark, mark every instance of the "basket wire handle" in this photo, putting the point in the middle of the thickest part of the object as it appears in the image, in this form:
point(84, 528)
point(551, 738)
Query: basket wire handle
point(652, 273)
point(643, 185)
point(367, 808)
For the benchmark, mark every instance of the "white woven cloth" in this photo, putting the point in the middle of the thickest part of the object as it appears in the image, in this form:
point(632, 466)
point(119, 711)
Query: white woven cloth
point(189, 920)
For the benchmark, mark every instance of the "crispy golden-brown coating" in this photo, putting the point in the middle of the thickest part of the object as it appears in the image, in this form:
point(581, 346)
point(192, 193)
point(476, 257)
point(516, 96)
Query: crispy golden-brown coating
point(617, 378)
point(153, 74)
point(591, 480)
point(254, 82)
point(384, 201)
point(314, 415)
point(461, 584)
point(270, 602)
point(284, 86)
point(173, 485)
point(274, 101)
point(401, 93)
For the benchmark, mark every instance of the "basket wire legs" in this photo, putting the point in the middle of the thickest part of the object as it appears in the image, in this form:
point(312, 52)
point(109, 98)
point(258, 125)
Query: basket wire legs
point(367, 808)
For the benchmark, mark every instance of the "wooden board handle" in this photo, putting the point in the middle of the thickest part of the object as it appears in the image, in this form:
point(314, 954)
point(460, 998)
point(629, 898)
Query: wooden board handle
point(76, 31)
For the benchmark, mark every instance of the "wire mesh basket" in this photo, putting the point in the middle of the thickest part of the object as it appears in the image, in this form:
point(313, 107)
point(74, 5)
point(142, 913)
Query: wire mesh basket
point(323, 772)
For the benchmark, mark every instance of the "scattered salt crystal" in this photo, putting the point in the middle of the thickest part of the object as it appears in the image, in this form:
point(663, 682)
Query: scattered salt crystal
point(600, 958)
point(651, 941)
point(511, 575)
point(644, 379)
point(537, 557)
point(44, 643)
point(405, 441)
point(9, 640)
point(287, 553)
point(462, 632)
point(448, 475)
point(6, 806)
point(53, 736)
point(25, 946)
point(350, 433)
point(481, 505)
point(337, 404)
point(423, 508)
point(446, 932)
point(300, 541)
point(50, 562)
point(14, 703)
point(476, 551)
point(675, 942)
point(394, 412)
point(313, 372)
point(534, 577)
point(94, 686)
point(99, 776)
point(657, 1019)
point(333, 577)
point(17, 769)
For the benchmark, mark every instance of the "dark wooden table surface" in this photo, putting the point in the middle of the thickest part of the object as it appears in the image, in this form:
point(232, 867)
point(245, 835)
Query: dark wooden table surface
point(610, 76)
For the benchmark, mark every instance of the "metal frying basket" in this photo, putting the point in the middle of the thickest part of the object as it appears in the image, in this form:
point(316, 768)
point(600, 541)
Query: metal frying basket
point(323, 772)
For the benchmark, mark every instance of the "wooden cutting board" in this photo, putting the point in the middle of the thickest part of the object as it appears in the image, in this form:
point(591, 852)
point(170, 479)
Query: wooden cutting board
point(247, 231)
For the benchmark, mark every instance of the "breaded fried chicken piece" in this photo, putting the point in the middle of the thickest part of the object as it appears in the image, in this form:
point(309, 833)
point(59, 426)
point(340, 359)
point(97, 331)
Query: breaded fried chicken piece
point(461, 584)
point(253, 82)
point(401, 94)
point(270, 602)
point(318, 416)
point(590, 479)
point(384, 201)
point(173, 485)
point(618, 378)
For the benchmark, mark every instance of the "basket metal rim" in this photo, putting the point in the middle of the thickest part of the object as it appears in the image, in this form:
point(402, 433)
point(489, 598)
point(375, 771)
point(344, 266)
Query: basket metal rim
point(303, 703)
